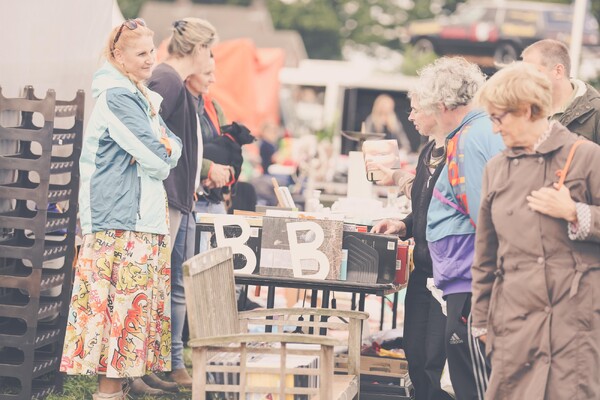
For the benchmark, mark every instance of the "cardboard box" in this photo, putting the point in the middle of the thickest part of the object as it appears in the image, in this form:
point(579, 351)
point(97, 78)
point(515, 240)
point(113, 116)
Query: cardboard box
point(384, 366)
point(384, 378)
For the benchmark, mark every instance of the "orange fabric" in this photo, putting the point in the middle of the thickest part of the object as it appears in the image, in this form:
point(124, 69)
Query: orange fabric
point(211, 111)
point(270, 62)
point(247, 81)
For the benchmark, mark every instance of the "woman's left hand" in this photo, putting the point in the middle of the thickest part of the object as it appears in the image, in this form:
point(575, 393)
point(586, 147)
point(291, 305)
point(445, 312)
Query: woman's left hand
point(164, 139)
point(553, 202)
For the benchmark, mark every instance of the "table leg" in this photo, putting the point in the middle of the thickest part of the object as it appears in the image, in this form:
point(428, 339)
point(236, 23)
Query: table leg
point(313, 304)
point(324, 304)
point(395, 310)
point(325, 300)
point(243, 298)
point(361, 302)
point(353, 305)
point(270, 305)
point(382, 313)
point(314, 294)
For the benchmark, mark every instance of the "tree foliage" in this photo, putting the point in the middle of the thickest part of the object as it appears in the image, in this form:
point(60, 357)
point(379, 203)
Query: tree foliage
point(336, 23)
point(326, 26)
point(130, 8)
point(316, 22)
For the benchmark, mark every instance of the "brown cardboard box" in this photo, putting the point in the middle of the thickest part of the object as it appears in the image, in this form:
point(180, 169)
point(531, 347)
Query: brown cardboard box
point(383, 366)
point(380, 366)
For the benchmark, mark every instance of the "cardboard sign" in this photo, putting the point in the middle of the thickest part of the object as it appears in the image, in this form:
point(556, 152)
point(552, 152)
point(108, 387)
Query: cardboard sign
point(301, 248)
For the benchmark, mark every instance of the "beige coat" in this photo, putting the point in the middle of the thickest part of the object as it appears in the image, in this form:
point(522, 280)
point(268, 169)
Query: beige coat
point(536, 291)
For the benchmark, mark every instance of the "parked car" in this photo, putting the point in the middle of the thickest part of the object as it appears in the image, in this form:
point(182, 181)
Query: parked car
point(498, 29)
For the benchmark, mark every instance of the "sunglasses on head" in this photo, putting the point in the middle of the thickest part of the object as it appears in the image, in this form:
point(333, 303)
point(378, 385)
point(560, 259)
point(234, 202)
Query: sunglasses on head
point(131, 24)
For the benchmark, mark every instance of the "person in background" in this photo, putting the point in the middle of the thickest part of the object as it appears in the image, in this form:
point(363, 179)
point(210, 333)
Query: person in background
point(383, 119)
point(119, 322)
point(450, 87)
point(424, 321)
point(268, 142)
point(188, 50)
point(575, 104)
point(198, 85)
point(211, 118)
point(537, 254)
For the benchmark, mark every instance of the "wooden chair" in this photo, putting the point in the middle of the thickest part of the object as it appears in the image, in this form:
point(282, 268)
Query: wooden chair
point(217, 328)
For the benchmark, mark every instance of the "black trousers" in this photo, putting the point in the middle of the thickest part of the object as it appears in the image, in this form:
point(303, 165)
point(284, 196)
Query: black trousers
point(424, 347)
point(469, 371)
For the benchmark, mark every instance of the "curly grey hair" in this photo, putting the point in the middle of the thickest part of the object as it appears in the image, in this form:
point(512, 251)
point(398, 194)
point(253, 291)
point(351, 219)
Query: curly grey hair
point(451, 81)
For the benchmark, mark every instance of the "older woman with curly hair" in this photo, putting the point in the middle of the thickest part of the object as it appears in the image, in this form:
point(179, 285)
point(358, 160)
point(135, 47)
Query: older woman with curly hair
point(452, 215)
point(537, 259)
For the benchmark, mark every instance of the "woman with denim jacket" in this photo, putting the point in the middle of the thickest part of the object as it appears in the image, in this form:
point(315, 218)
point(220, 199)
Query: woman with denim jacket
point(119, 322)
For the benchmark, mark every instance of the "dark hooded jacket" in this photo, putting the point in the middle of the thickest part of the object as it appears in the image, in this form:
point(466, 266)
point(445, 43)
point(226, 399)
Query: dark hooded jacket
point(583, 115)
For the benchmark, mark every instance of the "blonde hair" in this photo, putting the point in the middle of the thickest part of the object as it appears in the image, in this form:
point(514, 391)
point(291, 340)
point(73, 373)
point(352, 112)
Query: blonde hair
point(380, 115)
point(125, 38)
point(516, 87)
point(189, 34)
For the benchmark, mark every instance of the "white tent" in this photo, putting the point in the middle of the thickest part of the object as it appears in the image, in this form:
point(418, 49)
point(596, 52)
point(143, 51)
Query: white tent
point(53, 45)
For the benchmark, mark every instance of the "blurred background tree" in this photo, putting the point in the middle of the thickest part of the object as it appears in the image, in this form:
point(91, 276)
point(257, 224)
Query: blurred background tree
point(329, 26)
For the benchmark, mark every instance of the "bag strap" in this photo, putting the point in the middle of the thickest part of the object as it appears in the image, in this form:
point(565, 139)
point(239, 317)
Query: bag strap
point(562, 173)
point(438, 195)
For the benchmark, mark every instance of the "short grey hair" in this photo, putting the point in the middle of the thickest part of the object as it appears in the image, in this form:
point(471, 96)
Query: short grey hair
point(551, 52)
point(451, 81)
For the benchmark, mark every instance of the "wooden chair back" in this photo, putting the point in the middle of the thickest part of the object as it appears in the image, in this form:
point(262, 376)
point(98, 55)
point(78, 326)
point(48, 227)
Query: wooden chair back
point(210, 294)
point(227, 359)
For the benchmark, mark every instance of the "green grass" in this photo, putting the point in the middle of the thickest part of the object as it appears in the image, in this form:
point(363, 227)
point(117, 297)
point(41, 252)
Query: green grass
point(82, 387)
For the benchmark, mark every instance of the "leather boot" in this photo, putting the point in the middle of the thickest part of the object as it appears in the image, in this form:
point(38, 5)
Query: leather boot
point(154, 381)
point(138, 386)
point(181, 377)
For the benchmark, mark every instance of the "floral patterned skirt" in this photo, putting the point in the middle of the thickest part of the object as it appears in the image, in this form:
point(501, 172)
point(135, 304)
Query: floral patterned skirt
point(119, 322)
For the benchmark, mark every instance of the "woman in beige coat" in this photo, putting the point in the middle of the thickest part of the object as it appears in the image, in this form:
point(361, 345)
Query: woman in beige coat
point(537, 255)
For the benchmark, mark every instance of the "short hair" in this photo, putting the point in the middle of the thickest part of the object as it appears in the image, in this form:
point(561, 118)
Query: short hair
point(451, 81)
point(189, 34)
point(552, 52)
point(515, 87)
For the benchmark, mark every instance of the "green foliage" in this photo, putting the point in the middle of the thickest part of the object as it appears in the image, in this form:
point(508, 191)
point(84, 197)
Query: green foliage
point(326, 134)
point(230, 2)
point(595, 82)
point(76, 388)
point(130, 8)
point(316, 22)
point(79, 387)
point(327, 25)
point(415, 60)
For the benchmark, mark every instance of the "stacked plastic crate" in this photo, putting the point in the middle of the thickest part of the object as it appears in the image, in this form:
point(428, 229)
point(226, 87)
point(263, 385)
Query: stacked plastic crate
point(38, 212)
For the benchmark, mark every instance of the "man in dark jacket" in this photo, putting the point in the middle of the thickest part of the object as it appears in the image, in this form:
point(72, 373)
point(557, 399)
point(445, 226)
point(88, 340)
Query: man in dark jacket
point(575, 104)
